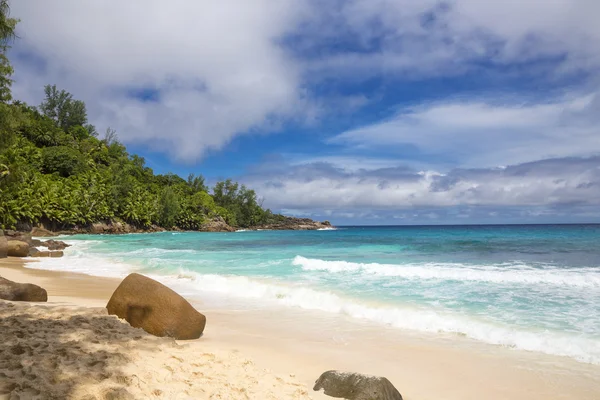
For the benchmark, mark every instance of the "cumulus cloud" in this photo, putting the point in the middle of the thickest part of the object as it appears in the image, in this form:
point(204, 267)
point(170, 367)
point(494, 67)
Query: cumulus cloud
point(562, 182)
point(433, 37)
point(487, 133)
point(218, 69)
point(215, 68)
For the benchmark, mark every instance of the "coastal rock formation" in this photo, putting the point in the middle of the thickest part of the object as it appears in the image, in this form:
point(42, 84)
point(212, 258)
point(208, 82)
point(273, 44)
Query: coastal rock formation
point(296, 224)
point(33, 252)
point(353, 386)
point(3, 245)
point(216, 224)
point(17, 248)
point(14, 291)
point(41, 232)
point(54, 244)
point(20, 236)
point(114, 227)
point(155, 308)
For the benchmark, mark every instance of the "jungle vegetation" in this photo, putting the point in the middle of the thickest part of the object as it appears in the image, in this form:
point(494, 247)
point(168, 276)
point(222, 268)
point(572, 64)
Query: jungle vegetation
point(57, 169)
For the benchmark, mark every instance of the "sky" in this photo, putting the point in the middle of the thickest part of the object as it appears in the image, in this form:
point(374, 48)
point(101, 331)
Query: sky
point(359, 112)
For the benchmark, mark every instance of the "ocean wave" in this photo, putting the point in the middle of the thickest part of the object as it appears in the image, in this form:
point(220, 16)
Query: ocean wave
point(424, 320)
point(195, 285)
point(500, 274)
point(327, 229)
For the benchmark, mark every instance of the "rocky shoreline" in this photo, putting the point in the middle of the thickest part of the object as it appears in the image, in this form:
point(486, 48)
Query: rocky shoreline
point(21, 244)
point(216, 224)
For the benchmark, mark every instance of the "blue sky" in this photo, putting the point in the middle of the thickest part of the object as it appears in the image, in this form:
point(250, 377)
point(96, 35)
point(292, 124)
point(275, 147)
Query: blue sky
point(357, 111)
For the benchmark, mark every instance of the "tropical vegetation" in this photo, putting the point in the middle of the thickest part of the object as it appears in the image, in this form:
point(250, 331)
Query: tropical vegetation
point(56, 169)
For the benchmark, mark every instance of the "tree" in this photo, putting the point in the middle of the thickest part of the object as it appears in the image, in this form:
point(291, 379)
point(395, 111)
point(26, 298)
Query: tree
point(168, 207)
point(196, 183)
point(7, 34)
point(60, 106)
point(110, 136)
point(64, 160)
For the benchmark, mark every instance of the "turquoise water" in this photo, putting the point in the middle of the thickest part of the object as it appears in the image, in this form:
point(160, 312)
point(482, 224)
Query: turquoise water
point(529, 287)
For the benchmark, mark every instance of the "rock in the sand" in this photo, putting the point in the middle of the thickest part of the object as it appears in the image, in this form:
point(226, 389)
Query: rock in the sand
point(14, 291)
point(353, 386)
point(152, 306)
point(3, 245)
point(17, 248)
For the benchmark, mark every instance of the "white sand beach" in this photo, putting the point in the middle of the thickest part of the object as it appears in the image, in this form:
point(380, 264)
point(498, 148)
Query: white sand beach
point(69, 348)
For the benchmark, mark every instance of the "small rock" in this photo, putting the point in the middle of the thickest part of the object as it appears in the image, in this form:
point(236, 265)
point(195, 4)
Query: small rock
point(55, 244)
point(14, 291)
point(353, 386)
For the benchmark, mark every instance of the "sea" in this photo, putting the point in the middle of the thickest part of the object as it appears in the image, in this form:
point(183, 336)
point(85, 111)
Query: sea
point(529, 287)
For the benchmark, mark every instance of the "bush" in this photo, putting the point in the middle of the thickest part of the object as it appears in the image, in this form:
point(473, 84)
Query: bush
point(63, 160)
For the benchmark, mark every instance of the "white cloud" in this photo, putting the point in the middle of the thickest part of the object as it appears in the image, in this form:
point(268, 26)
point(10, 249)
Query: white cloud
point(555, 182)
point(216, 64)
point(221, 70)
point(441, 38)
point(486, 133)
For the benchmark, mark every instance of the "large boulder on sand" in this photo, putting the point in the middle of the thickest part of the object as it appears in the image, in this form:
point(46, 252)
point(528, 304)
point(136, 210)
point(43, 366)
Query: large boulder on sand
point(17, 248)
point(3, 245)
point(14, 291)
point(353, 386)
point(155, 308)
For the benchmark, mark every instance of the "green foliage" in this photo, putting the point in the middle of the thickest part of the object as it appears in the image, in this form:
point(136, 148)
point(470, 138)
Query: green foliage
point(54, 168)
point(60, 107)
point(62, 159)
point(168, 207)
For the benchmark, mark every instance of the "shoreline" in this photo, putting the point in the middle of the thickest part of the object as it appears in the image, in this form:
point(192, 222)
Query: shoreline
point(420, 366)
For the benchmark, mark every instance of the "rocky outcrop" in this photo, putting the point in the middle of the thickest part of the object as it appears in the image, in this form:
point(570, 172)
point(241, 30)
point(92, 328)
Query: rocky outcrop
point(216, 224)
point(33, 252)
point(155, 308)
point(20, 236)
point(115, 227)
point(353, 386)
point(17, 248)
point(14, 291)
point(54, 245)
point(41, 232)
point(296, 224)
point(3, 245)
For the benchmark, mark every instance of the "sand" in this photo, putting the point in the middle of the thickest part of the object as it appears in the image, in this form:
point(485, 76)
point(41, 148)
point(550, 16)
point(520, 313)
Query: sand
point(275, 354)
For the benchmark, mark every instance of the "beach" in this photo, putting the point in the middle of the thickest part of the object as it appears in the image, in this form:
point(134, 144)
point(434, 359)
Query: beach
point(253, 354)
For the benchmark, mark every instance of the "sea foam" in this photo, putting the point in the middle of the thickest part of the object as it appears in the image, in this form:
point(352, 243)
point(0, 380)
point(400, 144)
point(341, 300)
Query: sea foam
point(195, 285)
point(501, 273)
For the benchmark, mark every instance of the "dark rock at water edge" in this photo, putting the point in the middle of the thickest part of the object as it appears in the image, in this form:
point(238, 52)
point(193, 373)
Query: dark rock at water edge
point(354, 386)
point(14, 291)
point(155, 308)
point(33, 252)
point(54, 244)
